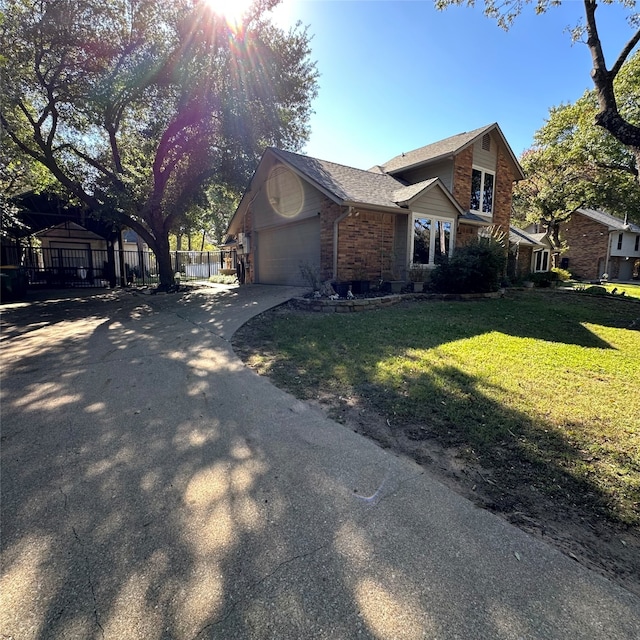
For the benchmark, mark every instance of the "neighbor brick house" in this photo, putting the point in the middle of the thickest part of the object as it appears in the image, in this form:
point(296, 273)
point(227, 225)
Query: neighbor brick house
point(530, 252)
point(598, 243)
point(354, 224)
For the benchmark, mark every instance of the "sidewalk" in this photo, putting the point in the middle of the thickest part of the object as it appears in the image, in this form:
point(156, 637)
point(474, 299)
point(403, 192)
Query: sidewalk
point(154, 487)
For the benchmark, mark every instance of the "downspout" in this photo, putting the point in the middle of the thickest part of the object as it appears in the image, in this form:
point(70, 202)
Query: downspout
point(337, 221)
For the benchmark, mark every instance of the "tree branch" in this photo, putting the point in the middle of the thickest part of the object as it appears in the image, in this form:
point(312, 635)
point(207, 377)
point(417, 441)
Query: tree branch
point(618, 167)
point(95, 164)
point(628, 48)
point(609, 117)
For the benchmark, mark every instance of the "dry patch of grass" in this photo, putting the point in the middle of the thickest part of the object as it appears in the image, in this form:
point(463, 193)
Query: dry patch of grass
point(541, 386)
point(535, 397)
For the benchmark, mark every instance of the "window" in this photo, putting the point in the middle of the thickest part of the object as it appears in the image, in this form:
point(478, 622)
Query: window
point(541, 261)
point(482, 186)
point(432, 238)
point(620, 236)
point(637, 243)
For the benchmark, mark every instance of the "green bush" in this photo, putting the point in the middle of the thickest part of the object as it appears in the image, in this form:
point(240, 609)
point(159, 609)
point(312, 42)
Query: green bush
point(596, 291)
point(543, 278)
point(475, 268)
point(220, 279)
point(562, 274)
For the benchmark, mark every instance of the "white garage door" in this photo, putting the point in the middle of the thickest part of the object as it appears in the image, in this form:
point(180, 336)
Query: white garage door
point(281, 250)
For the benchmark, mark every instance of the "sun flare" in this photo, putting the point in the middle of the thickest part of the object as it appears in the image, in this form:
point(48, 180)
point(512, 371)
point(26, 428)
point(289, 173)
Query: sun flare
point(231, 10)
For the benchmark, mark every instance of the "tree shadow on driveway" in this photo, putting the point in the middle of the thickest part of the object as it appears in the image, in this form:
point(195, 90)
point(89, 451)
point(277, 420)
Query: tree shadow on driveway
point(153, 487)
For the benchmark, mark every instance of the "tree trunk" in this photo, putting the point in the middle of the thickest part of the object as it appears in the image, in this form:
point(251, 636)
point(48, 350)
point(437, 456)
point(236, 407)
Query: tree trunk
point(609, 117)
point(165, 269)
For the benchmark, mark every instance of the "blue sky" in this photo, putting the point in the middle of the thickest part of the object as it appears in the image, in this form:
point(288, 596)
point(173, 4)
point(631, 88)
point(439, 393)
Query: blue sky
point(397, 74)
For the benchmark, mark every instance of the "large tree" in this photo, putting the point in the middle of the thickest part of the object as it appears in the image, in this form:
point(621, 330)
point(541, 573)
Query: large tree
point(573, 162)
point(608, 115)
point(136, 106)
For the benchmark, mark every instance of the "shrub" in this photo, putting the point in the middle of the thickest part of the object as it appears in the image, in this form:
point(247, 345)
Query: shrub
point(311, 273)
point(562, 274)
point(475, 268)
point(543, 278)
point(220, 279)
point(596, 291)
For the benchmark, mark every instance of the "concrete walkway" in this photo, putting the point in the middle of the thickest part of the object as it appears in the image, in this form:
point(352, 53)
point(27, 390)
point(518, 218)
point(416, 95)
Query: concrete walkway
point(153, 487)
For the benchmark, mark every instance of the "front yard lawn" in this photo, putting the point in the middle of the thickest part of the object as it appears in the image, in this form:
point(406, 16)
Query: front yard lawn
point(537, 395)
point(632, 290)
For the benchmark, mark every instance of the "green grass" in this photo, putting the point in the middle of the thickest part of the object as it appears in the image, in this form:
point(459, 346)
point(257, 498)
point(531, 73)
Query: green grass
point(631, 290)
point(541, 387)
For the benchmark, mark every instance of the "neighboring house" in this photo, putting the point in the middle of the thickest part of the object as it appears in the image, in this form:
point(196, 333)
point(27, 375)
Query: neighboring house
point(352, 224)
point(598, 243)
point(531, 252)
point(71, 253)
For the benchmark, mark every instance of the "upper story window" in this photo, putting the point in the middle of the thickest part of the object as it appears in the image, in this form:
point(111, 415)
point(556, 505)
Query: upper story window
point(482, 188)
point(637, 243)
point(620, 236)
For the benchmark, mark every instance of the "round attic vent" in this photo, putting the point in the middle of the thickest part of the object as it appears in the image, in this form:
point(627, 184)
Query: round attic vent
point(285, 192)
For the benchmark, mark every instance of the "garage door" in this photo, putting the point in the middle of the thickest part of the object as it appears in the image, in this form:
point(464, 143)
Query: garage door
point(281, 250)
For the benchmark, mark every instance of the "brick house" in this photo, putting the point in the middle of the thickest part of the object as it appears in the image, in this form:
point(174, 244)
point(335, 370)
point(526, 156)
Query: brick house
point(530, 252)
point(598, 243)
point(352, 224)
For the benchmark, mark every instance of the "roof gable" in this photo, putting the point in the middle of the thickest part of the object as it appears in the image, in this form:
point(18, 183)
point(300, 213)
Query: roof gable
point(68, 230)
point(341, 183)
point(613, 223)
point(447, 148)
point(406, 196)
point(344, 185)
point(518, 236)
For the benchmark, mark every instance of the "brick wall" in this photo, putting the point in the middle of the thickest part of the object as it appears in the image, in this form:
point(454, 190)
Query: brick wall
point(462, 165)
point(523, 265)
point(465, 234)
point(503, 191)
point(586, 242)
point(365, 245)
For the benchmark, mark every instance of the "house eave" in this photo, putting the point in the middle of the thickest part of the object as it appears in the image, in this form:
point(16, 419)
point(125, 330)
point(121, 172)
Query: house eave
point(473, 223)
point(307, 178)
point(373, 207)
point(415, 165)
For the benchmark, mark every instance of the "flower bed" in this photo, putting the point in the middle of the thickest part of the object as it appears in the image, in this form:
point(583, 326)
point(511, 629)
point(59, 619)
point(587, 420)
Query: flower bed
point(342, 305)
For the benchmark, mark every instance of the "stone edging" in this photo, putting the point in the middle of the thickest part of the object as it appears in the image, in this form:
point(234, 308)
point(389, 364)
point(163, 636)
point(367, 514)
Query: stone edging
point(326, 305)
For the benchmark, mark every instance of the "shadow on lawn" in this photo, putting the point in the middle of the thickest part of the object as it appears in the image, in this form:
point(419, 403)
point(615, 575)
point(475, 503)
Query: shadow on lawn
point(134, 506)
point(549, 316)
point(446, 401)
point(536, 466)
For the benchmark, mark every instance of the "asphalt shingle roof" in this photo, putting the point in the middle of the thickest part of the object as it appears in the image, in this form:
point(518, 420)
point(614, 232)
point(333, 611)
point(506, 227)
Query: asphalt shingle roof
point(345, 183)
point(608, 220)
point(404, 194)
point(439, 149)
point(518, 236)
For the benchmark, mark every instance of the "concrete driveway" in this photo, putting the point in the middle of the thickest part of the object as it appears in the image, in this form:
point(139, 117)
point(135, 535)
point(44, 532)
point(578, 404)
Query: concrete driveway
point(153, 487)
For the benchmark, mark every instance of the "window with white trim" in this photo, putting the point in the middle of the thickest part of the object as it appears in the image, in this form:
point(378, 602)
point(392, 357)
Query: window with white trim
point(432, 238)
point(637, 248)
point(482, 190)
point(620, 237)
point(541, 261)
